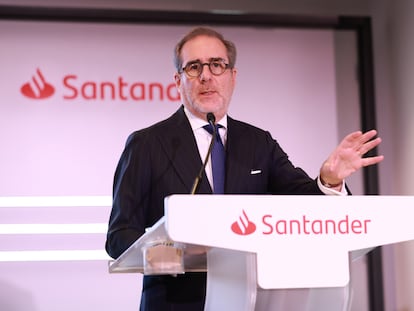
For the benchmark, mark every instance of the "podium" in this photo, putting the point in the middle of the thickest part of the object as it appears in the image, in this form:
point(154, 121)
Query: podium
point(258, 250)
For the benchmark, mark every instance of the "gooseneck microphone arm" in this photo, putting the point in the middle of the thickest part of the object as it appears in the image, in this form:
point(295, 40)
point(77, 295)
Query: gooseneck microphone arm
point(211, 119)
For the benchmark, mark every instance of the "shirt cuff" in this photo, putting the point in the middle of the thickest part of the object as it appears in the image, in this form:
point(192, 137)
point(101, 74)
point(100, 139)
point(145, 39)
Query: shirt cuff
point(330, 191)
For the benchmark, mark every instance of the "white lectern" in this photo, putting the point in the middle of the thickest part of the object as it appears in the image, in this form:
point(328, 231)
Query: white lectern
point(259, 250)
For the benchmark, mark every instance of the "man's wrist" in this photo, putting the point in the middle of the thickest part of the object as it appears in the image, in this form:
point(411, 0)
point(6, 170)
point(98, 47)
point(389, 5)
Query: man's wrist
point(330, 185)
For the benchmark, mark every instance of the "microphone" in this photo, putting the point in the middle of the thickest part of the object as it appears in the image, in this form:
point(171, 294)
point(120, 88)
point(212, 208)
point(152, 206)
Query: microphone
point(211, 119)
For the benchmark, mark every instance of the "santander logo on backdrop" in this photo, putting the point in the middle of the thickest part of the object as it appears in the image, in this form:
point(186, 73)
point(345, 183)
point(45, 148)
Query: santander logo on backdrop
point(73, 87)
point(37, 87)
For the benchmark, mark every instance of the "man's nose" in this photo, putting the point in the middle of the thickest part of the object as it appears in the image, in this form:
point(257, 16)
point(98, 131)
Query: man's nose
point(205, 72)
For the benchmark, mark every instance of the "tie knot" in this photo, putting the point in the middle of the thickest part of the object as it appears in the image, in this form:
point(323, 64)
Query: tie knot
point(209, 128)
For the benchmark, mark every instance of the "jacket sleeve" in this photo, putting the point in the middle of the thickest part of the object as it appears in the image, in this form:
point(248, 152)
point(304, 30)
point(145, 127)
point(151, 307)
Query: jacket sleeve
point(130, 197)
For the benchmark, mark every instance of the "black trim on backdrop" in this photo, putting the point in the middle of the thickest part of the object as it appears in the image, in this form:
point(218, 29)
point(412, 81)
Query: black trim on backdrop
point(361, 25)
point(160, 17)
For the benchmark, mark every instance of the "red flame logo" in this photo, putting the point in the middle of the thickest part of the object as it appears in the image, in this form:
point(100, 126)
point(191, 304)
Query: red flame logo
point(243, 226)
point(37, 87)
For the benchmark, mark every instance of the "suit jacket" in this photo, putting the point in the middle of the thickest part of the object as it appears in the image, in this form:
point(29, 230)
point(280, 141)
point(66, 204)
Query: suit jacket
point(164, 159)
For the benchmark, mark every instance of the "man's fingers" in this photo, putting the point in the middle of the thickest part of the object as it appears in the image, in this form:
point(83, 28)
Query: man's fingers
point(372, 160)
point(369, 145)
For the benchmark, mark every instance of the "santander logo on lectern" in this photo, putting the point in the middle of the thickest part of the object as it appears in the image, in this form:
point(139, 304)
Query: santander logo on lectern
point(37, 87)
point(243, 226)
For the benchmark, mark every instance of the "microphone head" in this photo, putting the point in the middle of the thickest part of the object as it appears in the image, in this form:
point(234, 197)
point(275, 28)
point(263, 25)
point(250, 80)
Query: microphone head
point(211, 118)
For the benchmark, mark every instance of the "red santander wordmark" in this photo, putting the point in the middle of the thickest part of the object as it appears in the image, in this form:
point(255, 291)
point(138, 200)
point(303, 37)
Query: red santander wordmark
point(120, 89)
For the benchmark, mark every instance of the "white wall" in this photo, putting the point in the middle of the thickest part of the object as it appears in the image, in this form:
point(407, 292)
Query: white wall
point(88, 133)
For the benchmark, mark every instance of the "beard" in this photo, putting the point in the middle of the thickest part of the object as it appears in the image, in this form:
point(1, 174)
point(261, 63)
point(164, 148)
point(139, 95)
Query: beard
point(204, 99)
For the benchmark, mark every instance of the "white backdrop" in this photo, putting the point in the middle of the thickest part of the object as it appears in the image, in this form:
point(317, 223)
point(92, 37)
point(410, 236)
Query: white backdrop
point(67, 145)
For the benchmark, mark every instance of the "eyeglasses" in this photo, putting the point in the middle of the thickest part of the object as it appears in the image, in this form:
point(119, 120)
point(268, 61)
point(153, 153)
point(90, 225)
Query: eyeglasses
point(195, 68)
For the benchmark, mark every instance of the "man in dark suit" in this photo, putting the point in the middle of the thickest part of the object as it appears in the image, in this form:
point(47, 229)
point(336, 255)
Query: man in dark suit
point(165, 159)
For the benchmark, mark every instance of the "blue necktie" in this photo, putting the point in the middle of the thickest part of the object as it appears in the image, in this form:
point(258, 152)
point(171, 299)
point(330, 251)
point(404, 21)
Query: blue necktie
point(218, 160)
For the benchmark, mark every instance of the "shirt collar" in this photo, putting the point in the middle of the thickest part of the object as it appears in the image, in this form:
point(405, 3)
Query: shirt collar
point(197, 123)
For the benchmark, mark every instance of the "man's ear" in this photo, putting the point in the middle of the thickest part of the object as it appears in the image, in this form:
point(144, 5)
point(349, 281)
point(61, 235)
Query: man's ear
point(177, 79)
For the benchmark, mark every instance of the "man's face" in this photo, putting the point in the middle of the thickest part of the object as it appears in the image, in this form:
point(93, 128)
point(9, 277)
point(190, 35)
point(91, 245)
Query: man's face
point(208, 92)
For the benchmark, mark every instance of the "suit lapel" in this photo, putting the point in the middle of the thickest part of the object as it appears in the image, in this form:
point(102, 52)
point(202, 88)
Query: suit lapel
point(180, 146)
point(238, 156)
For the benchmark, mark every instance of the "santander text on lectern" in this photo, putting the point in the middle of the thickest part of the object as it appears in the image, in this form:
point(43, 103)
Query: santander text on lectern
point(258, 250)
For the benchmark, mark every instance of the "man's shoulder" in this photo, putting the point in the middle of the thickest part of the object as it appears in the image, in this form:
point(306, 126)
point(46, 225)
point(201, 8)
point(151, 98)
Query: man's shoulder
point(162, 127)
point(237, 125)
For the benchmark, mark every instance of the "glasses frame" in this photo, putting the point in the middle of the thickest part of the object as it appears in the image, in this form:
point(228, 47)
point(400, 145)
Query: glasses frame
point(214, 60)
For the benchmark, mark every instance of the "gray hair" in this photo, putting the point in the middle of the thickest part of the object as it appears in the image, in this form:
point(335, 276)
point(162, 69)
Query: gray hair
point(204, 31)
